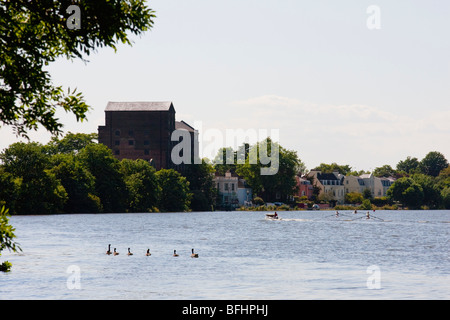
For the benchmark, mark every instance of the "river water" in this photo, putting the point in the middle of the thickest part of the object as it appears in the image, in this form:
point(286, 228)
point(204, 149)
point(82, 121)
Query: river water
point(305, 255)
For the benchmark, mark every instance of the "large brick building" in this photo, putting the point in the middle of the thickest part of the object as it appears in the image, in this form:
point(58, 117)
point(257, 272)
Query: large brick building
point(142, 130)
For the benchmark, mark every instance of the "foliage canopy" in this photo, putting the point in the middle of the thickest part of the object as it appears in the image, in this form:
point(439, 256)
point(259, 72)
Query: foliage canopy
point(35, 33)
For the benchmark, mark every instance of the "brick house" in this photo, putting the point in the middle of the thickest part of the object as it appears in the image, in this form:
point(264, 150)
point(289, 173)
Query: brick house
point(142, 130)
point(304, 187)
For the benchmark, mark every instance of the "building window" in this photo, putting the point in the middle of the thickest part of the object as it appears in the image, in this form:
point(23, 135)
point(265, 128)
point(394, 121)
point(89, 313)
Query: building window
point(117, 142)
point(232, 187)
point(226, 186)
point(146, 152)
point(146, 132)
point(117, 152)
point(117, 132)
point(146, 142)
point(131, 133)
point(131, 142)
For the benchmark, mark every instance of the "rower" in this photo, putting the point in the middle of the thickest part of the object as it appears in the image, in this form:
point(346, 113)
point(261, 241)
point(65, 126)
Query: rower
point(367, 215)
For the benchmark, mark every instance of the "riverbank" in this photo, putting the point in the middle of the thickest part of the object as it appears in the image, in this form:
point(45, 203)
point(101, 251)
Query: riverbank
point(338, 207)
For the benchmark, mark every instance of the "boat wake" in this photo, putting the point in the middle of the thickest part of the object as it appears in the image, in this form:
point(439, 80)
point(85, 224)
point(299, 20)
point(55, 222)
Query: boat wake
point(299, 220)
point(283, 219)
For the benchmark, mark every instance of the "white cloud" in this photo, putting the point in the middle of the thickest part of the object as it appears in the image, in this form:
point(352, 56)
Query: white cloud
point(367, 135)
point(274, 105)
point(349, 119)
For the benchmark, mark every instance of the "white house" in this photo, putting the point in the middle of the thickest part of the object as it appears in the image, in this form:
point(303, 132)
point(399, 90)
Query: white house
point(232, 190)
point(377, 186)
point(330, 184)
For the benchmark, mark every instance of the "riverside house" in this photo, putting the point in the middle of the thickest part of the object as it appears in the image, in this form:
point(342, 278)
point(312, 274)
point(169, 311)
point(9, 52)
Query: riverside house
point(331, 185)
point(377, 186)
point(232, 190)
point(304, 187)
point(334, 186)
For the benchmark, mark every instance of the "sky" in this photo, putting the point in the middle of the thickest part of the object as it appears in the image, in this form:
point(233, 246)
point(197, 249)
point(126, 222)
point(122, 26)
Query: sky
point(336, 80)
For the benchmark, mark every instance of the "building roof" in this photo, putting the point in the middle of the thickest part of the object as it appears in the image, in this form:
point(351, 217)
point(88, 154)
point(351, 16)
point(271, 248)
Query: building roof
point(139, 106)
point(327, 176)
point(183, 125)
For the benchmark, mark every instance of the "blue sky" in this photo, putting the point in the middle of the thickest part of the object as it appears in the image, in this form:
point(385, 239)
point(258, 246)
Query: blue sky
point(335, 90)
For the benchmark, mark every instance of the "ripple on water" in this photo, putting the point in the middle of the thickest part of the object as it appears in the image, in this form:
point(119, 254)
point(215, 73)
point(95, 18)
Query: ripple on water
point(306, 255)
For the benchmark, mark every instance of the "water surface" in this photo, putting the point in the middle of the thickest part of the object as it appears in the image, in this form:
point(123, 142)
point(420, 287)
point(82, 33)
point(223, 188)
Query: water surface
point(305, 255)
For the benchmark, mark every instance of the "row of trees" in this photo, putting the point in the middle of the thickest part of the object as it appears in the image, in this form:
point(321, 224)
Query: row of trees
point(75, 175)
point(432, 164)
point(424, 183)
point(420, 190)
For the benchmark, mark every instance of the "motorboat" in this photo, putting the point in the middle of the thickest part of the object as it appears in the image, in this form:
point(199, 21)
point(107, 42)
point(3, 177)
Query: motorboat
point(272, 216)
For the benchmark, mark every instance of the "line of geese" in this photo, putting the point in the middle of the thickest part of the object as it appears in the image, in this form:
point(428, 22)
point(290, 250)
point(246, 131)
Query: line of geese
point(175, 254)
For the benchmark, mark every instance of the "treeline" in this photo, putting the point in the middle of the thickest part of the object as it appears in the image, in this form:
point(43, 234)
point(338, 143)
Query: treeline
point(419, 190)
point(76, 175)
